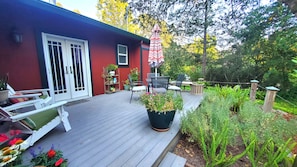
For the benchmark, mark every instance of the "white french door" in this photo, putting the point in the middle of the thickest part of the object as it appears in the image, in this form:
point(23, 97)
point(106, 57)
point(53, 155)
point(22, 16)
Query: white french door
point(67, 67)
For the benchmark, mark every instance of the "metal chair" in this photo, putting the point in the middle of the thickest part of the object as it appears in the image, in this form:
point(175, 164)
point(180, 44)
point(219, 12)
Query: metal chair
point(160, 84)
point(178, 83)
point(136, 86)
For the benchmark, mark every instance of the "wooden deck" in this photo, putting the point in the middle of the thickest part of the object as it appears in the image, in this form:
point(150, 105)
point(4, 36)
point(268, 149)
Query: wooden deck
point(109, 131)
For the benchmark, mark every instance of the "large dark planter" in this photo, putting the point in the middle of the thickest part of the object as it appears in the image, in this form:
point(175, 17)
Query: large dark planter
point(161, 121)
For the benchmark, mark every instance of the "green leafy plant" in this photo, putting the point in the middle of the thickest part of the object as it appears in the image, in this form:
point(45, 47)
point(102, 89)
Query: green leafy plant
point(111, 67)
point(134, 73)
point(126, 82)
point(50, 158)
point(214, 152)
point(3, 82)
point(162, 102)
point(264, 135)
point(268, 153)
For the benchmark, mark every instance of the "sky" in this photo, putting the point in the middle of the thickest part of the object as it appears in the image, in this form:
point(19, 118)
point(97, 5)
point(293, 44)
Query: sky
point(86, 7)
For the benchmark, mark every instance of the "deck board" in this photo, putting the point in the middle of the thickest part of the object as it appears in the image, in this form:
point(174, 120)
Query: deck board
point(107, 130)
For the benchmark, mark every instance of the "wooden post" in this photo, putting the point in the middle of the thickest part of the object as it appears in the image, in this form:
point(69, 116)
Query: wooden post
point(197, 89)
point(269, 98)
point(254, 87)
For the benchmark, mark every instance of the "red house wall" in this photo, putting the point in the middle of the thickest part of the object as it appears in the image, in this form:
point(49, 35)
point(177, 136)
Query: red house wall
point(24, 62)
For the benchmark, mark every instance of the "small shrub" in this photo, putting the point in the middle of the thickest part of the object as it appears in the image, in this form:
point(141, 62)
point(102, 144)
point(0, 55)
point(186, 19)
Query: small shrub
point(266, 135)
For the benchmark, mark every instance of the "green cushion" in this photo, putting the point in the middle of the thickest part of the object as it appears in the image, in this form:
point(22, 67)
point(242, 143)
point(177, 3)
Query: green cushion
point(29, 122)
point(43, 118)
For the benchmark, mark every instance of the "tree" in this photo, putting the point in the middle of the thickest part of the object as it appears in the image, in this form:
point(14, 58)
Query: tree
point(116, 13)
point(76, 11)
point(292, 4)
point(269, 40)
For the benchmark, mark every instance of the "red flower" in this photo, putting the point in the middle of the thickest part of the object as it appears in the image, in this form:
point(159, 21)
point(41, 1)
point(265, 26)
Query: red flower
point(51, 153)
point(59, 162)
point(3, 137)
point(15, 141)
point(14, 132)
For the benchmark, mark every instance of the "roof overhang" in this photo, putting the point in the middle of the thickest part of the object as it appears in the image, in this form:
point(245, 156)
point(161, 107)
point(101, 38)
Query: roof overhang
point(80, 18)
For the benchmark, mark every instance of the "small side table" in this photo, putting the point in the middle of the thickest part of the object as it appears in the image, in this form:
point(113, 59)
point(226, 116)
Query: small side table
point(197, 89)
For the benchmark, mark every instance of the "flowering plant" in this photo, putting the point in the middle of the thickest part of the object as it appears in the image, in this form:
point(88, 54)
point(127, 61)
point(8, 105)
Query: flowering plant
point(50, 158)
point(11, 152)
point(162, 102)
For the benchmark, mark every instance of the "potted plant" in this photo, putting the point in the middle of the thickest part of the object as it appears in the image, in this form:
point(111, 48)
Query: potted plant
point(126, 84)
point(161, 108)
point(111, 69)
point(3, 87)
point(134, 73)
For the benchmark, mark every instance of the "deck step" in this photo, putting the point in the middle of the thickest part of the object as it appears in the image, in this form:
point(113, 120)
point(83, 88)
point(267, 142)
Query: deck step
point(173, 160)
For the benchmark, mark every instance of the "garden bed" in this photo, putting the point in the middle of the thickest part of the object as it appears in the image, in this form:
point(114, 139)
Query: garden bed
point(230, 130)
point(194, 155)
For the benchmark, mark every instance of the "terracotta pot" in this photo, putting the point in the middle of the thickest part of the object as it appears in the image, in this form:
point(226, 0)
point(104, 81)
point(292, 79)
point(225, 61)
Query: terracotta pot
point(161, 121)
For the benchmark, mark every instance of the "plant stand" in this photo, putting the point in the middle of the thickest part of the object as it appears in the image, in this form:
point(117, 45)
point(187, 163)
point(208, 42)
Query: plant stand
point(161, 121)
point(111, 81)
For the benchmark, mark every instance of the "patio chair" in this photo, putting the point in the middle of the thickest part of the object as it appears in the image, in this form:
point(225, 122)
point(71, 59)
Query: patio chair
point(150, 75)
point(35, 123)
point(136, 86)
point(160, 84)
point(178, 83)
point(24, 95)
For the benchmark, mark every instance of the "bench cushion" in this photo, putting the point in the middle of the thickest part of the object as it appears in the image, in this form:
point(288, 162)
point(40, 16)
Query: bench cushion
point(43, 118)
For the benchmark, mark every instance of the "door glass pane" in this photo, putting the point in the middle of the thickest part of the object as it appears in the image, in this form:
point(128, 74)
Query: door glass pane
point(57, 66)
point(76, 53)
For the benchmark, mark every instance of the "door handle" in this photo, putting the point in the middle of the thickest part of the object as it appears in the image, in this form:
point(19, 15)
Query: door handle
point(66, 70)
point(70, 70)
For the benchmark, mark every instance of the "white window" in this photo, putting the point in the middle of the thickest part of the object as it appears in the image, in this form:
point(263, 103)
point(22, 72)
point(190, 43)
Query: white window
point(122, 54)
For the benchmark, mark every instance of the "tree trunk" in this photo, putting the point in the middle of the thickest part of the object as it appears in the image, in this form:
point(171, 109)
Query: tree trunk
point(292, 5)
point(205, 40)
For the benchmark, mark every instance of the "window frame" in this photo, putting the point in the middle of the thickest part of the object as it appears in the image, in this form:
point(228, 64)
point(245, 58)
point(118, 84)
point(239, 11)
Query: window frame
point(124, 55)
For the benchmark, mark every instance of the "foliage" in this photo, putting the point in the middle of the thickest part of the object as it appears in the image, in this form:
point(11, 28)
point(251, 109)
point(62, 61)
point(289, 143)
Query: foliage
point(162, 102)
point(214, 153)
point(237, 96)
point(268, 153)
point(3, 82)
point(111, 67)
point(126, 82)
point(116, 13)
point(214, 126)
point(50, 158)
point(10, 155)
point(195, 73)
point(134, 73)
point(269, 44)
point(293, 75)
point(174, 55)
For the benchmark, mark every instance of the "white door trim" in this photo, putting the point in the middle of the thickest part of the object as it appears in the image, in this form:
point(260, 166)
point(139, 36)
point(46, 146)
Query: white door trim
point(45, 37)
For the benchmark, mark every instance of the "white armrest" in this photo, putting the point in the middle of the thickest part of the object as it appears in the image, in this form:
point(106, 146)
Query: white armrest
point(25, 96)
point(22, 105)
point(33, 90)
point(27, 114)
